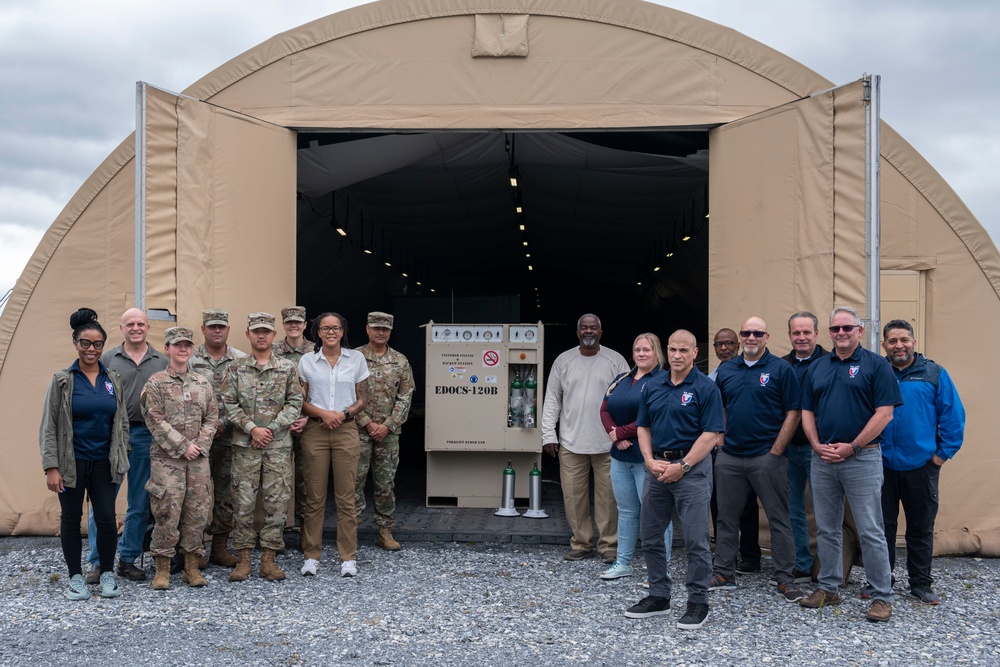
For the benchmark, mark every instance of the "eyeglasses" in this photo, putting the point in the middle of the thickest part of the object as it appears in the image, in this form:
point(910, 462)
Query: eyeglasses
point(326, 330)
point(85, 344)
point(747, 333)
point(724, 343)
point(846, 328)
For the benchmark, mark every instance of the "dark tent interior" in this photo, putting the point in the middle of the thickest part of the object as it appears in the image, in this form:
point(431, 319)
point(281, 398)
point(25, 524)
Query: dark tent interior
point(495, 227)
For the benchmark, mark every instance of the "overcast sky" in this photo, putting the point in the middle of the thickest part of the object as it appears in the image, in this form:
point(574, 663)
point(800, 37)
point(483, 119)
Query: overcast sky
point(68, 71)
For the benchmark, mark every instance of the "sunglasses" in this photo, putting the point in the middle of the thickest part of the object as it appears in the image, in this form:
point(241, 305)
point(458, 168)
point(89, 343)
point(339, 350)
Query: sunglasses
point(724, 343)
point(846, 328)
point(746, 333)
point(85, 344)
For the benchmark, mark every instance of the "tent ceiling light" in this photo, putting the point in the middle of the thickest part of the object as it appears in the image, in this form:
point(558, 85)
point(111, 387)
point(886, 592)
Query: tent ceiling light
point(341, 231)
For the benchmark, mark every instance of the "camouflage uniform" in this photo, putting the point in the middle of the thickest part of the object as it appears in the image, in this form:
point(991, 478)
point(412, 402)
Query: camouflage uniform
point(221, 458)
point(390, 390)
point(180, 409)
point(267, 396)
point(283, 350)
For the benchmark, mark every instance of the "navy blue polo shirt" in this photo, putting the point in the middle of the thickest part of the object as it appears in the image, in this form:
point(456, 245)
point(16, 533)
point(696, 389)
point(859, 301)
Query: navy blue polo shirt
point(677, 415)
point(843, 394)
point(623, 406)
point(93, 414)
point(757, 399)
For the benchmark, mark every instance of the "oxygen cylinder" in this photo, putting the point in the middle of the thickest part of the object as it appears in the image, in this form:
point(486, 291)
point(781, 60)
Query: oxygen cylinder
point(516, 405)
point(529, 400)
point(507, 493)
point(535, 510)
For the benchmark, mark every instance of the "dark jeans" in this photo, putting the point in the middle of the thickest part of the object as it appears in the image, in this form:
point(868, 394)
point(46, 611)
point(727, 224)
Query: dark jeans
point(749, 524)
point(93, 478)
point(917, 490)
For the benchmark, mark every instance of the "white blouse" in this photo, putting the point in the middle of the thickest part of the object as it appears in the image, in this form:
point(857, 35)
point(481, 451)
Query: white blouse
point(333, 387)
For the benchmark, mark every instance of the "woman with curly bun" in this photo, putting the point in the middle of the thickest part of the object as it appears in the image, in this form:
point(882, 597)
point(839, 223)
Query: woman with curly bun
point(84, 445)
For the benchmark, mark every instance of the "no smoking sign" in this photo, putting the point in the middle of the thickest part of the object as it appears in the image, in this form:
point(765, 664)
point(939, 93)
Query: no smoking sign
point(491, 358)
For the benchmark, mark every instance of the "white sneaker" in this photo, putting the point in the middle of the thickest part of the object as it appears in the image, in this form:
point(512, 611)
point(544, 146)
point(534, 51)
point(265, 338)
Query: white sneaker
point(348, 568)
point(309, 567)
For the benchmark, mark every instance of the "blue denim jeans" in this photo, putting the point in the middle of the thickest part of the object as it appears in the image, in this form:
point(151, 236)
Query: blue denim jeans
point(137, 514)
point(859, 479)
point(627, 480)
point(799, 463)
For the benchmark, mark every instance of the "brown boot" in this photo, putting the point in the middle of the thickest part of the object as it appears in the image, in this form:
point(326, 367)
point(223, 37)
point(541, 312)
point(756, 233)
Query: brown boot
point(243, 570)
point(220, 554)
point(192, 575)
point(202, 562)
point(161, 581)
point(268, 568)
point(386, 541)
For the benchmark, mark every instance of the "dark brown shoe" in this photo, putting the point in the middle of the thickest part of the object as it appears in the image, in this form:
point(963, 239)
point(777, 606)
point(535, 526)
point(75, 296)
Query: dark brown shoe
point(609, 556)
point(819, 599)
point(578, 554)
point(880, 611)
point(127, 569)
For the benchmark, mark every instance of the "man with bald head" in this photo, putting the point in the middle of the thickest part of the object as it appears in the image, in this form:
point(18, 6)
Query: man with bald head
point(135, 360)
point(680, 421)
point(760, 394)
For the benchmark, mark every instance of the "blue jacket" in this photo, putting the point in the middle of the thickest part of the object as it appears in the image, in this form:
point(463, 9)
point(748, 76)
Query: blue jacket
point(930, 421)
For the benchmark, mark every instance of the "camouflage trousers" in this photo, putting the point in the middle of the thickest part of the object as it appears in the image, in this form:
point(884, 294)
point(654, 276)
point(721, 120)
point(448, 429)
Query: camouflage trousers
point(180, 498)
point(221, 459)
point(268, 471)
point(300, 482)
point(383, 460)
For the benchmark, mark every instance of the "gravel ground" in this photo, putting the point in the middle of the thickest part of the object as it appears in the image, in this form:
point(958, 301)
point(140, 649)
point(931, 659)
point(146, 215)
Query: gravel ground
point(472, 604)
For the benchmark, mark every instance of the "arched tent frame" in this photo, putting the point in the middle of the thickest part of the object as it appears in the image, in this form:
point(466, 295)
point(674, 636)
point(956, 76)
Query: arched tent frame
point(958, 263)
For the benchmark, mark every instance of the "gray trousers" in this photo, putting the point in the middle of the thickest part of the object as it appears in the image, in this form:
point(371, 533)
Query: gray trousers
point(767, 475)
point(690, 497)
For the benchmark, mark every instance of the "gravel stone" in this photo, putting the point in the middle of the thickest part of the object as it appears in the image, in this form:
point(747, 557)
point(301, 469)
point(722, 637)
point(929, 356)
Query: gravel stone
point(473, 604)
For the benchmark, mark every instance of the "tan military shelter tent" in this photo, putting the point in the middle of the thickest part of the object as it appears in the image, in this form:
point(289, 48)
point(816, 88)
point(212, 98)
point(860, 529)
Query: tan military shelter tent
point(670, 172)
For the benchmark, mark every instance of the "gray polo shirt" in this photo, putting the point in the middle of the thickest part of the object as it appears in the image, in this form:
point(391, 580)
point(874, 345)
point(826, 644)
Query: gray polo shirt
point(134, 377)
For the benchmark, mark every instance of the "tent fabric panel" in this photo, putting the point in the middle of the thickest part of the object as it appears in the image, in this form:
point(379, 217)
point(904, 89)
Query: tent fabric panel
point(549, 117)
point(89, 266)
point(161, 199)
point(236, 232)
point(771, 203)
point(850, 257)
point(632, 14)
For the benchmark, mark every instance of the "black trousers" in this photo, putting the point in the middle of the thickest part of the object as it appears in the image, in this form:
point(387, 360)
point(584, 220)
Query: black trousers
point(93, 478)
point(917, 491)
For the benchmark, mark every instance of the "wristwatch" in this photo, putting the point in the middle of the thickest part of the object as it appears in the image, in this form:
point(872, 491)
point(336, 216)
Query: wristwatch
point(856, 447)
point(347, 413)
point(685, 466)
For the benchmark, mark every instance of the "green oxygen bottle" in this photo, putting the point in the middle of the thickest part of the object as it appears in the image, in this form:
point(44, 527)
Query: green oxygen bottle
point(507, 493)
point(535, 510)
point(530, 388)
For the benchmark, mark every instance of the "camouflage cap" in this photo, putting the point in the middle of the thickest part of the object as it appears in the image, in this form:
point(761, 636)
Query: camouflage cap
point(293, 314)
point(177, 334)
point(380, 319)
point(214, 316)
point(260, 321)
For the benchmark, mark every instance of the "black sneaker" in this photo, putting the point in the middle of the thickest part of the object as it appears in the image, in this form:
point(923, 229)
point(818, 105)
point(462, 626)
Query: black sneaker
point(649, 606)
point(925, 595)
point(748, 567)
point(694, 617)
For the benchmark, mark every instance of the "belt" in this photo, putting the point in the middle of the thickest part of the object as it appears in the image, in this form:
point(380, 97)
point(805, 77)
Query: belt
point(317, 419)
point(671, 454)
point(140, 423)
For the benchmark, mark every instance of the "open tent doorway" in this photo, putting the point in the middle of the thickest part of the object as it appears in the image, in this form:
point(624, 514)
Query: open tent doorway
point(487, 227)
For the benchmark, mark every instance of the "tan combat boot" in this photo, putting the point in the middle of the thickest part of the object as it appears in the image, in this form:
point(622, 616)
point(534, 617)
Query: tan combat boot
point(268, 568)
point(386, 541)
point(161, 581)
point(192, 575)
point(220, 554)
point(243, 570)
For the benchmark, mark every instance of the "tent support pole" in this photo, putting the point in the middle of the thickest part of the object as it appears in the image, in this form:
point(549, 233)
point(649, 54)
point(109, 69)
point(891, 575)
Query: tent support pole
point(872, 209)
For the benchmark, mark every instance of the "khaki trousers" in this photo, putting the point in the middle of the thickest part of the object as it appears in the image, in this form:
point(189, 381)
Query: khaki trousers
point(574, 476)
point(321, 450)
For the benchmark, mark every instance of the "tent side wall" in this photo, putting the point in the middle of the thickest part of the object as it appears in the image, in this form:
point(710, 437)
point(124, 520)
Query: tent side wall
point(356, 69)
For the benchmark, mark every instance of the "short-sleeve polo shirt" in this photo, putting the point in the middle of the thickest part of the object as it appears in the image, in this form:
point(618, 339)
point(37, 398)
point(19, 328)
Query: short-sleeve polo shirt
point(757, 399)
point(844, 393)
point(677, 415)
